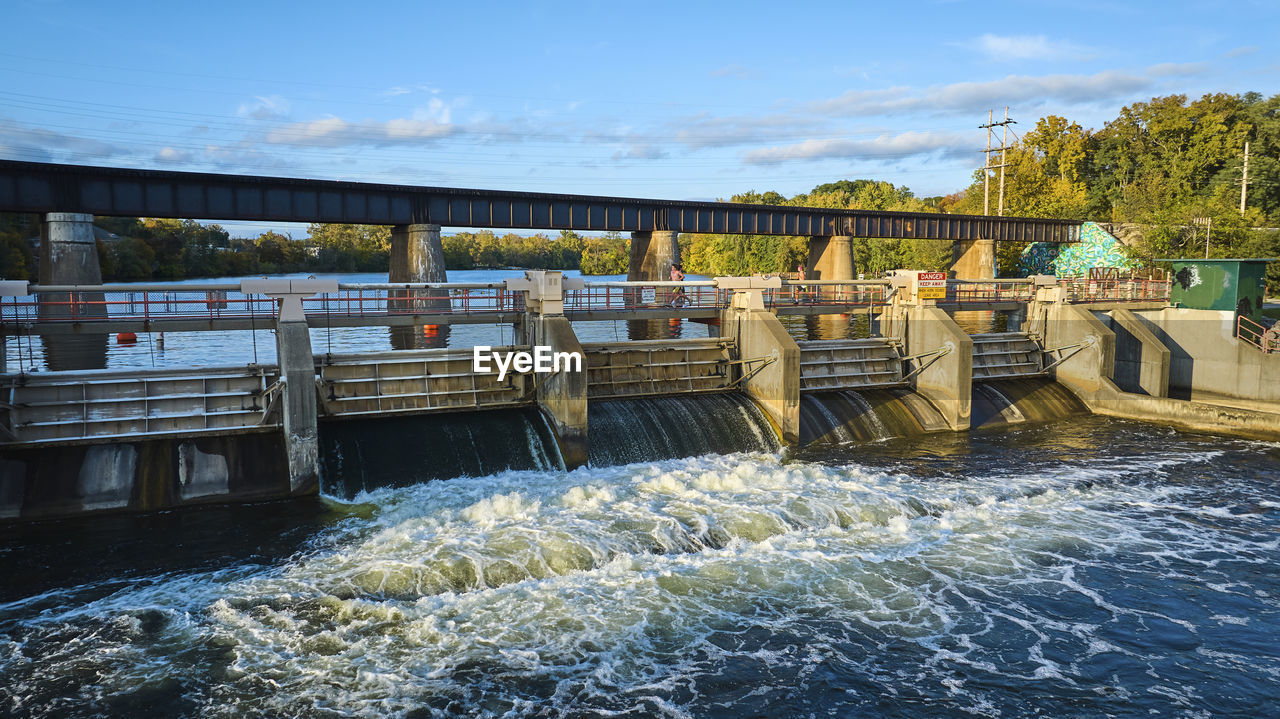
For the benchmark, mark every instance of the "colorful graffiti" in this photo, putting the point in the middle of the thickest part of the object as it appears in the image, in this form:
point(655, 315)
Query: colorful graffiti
point(1096, 248)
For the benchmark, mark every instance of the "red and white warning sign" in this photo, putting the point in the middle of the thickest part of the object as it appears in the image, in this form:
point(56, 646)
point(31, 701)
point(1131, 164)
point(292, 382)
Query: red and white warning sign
point(931, 285)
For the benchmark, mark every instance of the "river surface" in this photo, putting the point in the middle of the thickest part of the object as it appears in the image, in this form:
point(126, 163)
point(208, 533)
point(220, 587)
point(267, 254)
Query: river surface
point(1083, 568)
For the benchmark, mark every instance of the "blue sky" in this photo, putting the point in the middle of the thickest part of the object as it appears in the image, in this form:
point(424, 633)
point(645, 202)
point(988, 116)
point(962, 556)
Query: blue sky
point(679, 100)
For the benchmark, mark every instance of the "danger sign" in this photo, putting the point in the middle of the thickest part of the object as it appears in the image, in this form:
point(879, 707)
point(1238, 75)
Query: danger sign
point(931, 285)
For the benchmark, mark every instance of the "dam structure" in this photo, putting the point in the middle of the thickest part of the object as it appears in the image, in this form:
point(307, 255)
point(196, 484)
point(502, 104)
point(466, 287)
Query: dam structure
point(779, 365)
point(79, 441)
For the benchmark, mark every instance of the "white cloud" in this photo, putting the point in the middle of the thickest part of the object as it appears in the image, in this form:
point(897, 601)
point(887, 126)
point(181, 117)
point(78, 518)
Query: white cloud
point(641, 151)
point(1028, 47)
point(399, 90)
point(1026, 90)
point(884, 147)
point(425, 124)
point(269, 107)
point(23, 142)
point(1242, 51)
point(702, 131)
point(170, 155)
point(1176, 69)
point(336, 132)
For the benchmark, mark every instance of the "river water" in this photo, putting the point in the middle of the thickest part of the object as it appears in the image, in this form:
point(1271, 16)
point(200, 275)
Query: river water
point(1073, 569)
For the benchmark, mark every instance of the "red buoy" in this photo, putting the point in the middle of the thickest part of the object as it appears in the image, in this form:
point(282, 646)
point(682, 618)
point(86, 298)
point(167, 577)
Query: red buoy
point(126, 338)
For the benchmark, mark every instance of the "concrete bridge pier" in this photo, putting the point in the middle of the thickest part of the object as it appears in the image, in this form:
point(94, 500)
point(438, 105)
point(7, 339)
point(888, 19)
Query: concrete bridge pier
point(417, 255)
point(69, 256)
point(973, 259)
point(830, 258)
point(652, 255)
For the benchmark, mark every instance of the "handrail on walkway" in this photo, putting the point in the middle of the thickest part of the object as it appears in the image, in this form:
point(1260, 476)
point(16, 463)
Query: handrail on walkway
point(147, 302)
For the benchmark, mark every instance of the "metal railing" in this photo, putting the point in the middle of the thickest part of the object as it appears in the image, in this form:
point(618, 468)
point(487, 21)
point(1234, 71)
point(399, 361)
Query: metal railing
point(74, 304)
point(1264, 338)
point(835, 293)
point(1080, 290)
point(616, 296)
point(987, 291)
point(381, 299)
point(226, 301)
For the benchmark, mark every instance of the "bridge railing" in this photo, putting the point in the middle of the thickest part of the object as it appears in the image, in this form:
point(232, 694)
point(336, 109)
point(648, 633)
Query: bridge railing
point(214, 301)
point(226, 301)
point(988, 291)
point(834, 293)
point(70, 303)
point(1080, 289)
point(449, 298)
point(622, 295)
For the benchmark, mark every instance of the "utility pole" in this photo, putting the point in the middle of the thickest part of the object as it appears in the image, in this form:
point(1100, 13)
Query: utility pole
point(1004, 145)
point(1207, 223)
point(987, 166)
point(1244, 180)
point(986, 169)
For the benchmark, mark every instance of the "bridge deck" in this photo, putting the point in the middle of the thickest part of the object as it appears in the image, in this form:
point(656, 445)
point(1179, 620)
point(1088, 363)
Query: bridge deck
point(42, 187)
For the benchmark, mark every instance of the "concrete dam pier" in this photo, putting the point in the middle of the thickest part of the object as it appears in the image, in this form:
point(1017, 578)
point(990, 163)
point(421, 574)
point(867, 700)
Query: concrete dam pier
point(82, 441)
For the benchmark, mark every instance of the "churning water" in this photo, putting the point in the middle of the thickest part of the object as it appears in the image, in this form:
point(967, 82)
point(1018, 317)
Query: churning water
point(1081, 569)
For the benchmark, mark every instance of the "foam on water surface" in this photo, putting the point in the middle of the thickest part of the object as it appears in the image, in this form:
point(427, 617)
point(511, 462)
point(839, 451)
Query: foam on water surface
point(711, 586)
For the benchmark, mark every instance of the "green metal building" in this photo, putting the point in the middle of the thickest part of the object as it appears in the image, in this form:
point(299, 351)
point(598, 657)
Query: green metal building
point(1221, 284)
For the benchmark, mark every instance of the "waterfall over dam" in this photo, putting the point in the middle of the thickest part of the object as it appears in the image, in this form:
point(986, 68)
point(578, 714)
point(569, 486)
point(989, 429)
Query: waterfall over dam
point(402, 451)
point(1014, 401)
point(399, 452)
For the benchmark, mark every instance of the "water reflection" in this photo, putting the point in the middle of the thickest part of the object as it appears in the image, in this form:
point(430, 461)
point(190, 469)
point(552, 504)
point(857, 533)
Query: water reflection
point(828, 327)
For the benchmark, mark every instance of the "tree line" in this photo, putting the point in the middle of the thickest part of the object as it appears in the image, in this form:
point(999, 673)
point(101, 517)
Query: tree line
point(1170, 165)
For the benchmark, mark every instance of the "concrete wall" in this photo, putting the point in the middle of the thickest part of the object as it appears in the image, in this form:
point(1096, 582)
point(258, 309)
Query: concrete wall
point(1088, 345)
point(563, 396)
point(298, 406)
point(1186, 415)
point(776, 387)
point(56, 481)
point(1207, 359)
point(1088, 372)
point(947, 381)
point(1142, 362)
